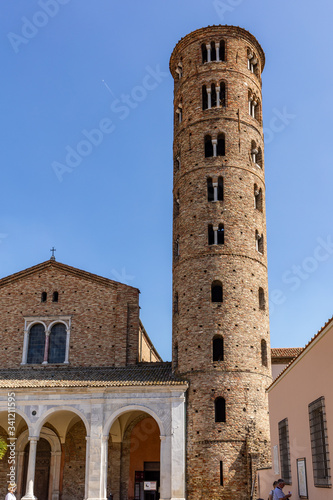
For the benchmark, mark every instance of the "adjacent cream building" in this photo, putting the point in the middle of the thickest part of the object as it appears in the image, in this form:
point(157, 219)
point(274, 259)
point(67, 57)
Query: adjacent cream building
point(301, 422)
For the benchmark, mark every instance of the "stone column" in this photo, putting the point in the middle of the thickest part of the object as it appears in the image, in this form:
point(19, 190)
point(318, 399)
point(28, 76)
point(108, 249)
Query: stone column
point(208, 47)
point(178, 450)
point(217, 46)
point(46, 348)
point(96, 461)
point(165, 468)
point(209, 97)
point(29, 494)
point(55, 475)
point(214, 142)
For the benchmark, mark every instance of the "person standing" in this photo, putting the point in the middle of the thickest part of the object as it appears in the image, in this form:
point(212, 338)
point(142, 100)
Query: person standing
point(271, 493)
point(11, 492)
point(278, 493)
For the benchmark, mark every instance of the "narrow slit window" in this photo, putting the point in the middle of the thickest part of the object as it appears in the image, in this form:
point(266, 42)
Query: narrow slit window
point(43, 297)
point(55, 297)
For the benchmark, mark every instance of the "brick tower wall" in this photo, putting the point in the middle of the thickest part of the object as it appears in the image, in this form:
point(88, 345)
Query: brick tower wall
point(238, 445)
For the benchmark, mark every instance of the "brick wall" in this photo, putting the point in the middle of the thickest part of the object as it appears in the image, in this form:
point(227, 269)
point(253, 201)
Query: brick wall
point(104, 314)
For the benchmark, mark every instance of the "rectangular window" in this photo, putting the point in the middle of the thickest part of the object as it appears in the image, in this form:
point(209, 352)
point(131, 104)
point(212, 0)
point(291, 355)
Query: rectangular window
point(319, 443)
point(284, 450)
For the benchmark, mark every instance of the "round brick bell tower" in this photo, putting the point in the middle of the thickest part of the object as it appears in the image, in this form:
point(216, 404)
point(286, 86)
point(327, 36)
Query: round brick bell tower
point(220, 290)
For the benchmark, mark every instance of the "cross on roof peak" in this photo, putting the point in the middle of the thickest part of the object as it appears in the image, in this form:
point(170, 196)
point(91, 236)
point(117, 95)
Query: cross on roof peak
point(52, 256)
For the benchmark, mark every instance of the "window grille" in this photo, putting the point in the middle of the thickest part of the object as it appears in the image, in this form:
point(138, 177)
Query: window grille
point(284, 450)
point(319, 443)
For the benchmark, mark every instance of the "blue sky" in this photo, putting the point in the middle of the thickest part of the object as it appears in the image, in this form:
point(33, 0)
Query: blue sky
point(68, 66)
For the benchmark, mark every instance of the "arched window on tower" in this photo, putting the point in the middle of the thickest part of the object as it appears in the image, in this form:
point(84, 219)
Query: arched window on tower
point(43, 297)
point(222, 51)
point(208, 146)
point(179, 113)
point(213, 95)
point(218, 348)
point(264, 360)
point(57, 346)
point(217, 292)
point(179, 70)
point(259, 242)
point(204, 53)
point(210, 234)
point(204, 97)
point(36, 346)
point(220, 234)
point(257, 198)
point(223, 95)
point(220, 189)
point(262, 301)
point(210, 189)
point(220, 410)
point(213, 52)
point(55, 297)
point(215, 234)
point(221, 145)
point(176, 205)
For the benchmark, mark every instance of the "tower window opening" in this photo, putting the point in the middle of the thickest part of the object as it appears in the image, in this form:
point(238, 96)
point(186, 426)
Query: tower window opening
point(221, 52)
point(220, 189)
point(204, 97)
point(211, 234)
point(220, 410)
point(179, 112)
point(264, 353)
point(259, 242)
point(215, 234)
point(221, 145)
point(217, 293)
point(222, 96)
point(210, 189)
point(220, 234)
point(218, 349)
point(262, 301)
point(176, 205)
point(213, 96)
point(257, 198)
point(179, 70)
point(221, 473)
point(215, 189)
point(208, 146)
point(55, 297)
point(204, 53)
point(213, 52)
point(43, 297)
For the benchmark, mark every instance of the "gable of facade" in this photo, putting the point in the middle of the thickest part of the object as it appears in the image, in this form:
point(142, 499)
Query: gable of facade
point(53, 313)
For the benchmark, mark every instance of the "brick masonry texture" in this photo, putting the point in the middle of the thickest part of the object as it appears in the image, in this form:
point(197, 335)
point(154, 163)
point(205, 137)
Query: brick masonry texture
point(104, 314)
point(242, 441)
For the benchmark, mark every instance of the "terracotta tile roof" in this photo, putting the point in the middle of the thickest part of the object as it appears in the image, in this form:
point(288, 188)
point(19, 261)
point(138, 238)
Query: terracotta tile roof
point(286, 352)
point(144, 374)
